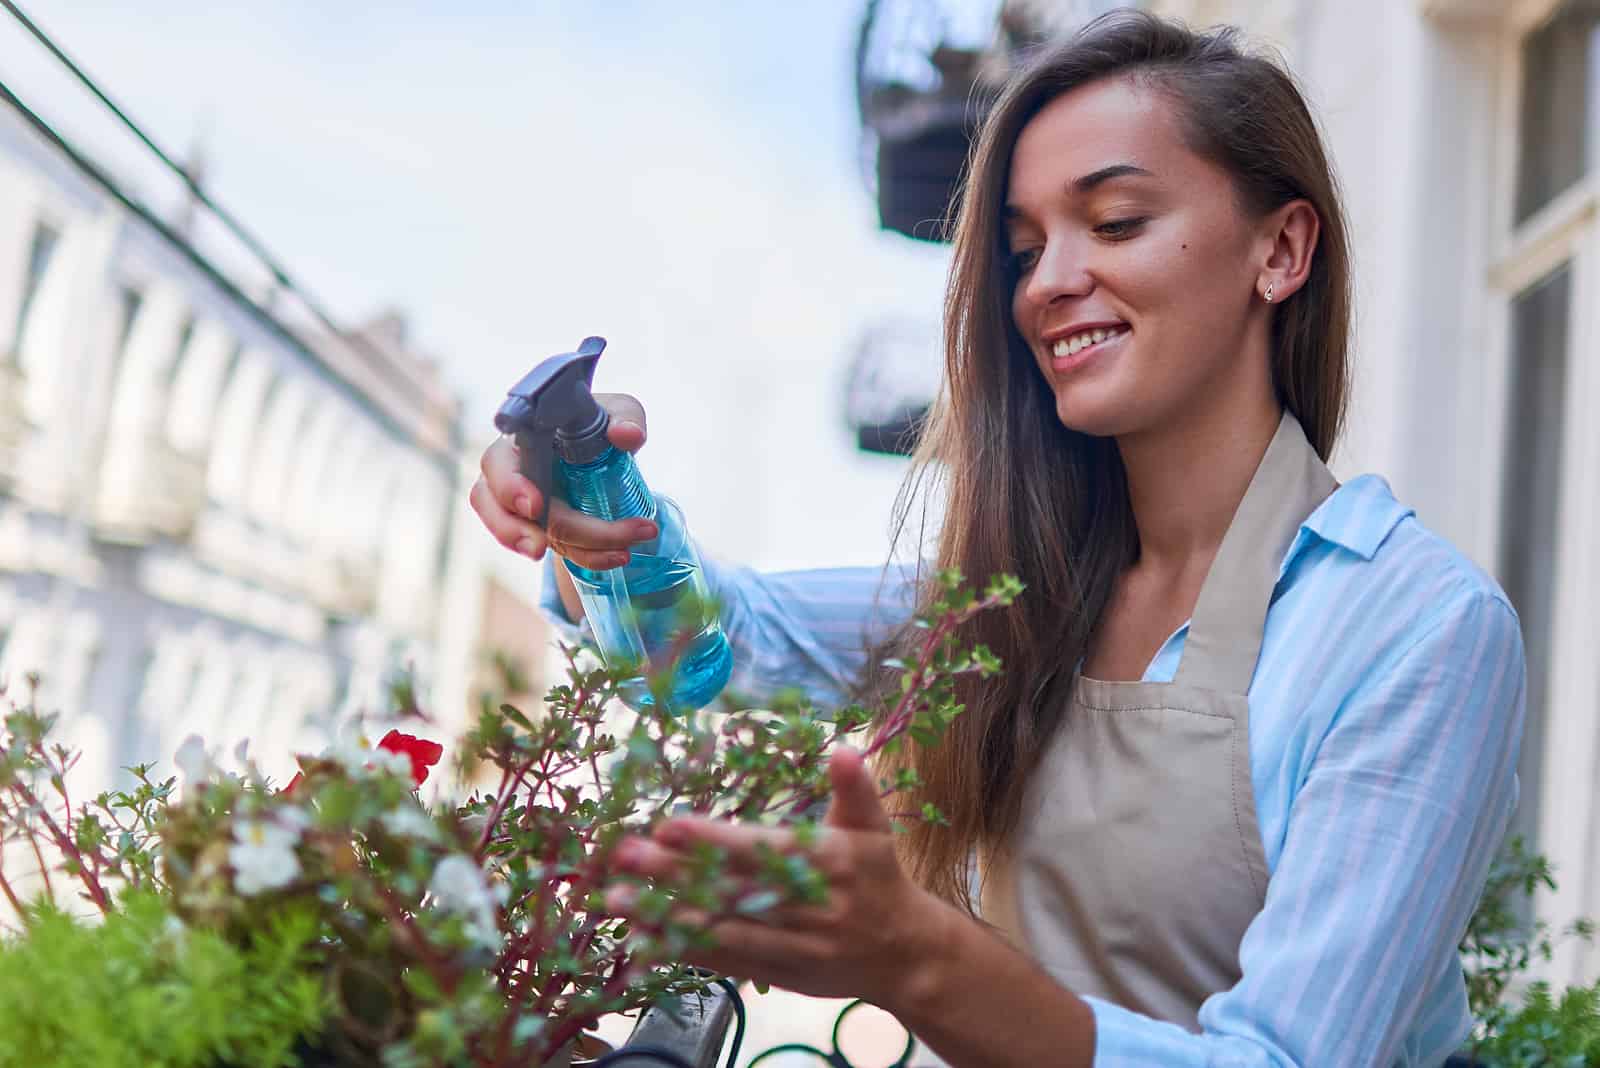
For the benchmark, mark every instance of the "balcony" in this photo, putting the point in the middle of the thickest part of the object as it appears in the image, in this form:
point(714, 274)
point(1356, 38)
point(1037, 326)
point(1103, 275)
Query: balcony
point(150, 488)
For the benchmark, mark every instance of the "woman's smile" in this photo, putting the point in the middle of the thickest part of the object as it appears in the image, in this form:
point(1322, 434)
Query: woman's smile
point(1081, 346)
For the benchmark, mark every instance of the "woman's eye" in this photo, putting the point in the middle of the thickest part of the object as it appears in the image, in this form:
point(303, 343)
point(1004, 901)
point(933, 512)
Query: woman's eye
point(1116, 229)
point(1023, 260)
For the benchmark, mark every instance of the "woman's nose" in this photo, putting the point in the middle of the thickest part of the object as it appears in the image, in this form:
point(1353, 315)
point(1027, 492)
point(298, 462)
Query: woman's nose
point(1061, 271)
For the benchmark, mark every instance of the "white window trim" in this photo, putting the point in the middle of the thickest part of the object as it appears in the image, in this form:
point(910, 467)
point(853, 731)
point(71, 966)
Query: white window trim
point(1562, 232)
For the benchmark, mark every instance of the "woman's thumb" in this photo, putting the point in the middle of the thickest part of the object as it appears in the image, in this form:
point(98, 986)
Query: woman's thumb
point(856, 805)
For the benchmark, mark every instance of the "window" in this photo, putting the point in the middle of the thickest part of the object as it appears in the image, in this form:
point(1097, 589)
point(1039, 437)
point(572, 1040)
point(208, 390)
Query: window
point(40, 253)
point(1556, 140)
point(1545, 270)
point(1530, 498)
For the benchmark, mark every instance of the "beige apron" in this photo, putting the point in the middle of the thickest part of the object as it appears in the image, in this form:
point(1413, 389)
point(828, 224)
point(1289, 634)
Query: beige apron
point(1138, 865)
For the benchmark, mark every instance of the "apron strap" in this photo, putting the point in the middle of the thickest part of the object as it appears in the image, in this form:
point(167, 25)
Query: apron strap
point(1224, 640)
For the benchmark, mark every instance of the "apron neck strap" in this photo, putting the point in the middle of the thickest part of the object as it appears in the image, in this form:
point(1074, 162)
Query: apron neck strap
point(1224, 640)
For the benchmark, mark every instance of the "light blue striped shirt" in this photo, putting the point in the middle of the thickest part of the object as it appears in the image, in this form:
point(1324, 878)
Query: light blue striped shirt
point(1385, 717)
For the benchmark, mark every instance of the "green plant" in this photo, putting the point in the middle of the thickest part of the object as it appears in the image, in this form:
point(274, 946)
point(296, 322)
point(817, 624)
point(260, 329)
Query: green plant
point(1499, 948)
point(143, 989)
point(1546, 1032)
point(471, 934)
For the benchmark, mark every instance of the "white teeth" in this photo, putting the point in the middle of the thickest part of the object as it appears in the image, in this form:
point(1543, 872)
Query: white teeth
point(1070, 346)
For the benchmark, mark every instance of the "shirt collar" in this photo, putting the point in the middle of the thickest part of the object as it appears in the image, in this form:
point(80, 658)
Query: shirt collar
point(1357, 516)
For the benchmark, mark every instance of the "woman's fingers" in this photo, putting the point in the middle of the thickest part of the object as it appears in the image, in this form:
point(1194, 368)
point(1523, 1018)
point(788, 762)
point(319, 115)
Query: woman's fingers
point(764, 936)
point(512, 531)
point(510, 488)
point(513, 508)
point(595, 543)
point(641, 856)
point(743, 843)
point(627, 430)
point(772, 946)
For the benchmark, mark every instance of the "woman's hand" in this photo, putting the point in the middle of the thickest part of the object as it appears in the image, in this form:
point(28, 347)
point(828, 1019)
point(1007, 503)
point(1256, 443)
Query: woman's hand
point(509, 504)
point(873, 938)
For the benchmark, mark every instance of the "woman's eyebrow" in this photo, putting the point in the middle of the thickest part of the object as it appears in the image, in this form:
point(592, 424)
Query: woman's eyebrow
point(1086, 184)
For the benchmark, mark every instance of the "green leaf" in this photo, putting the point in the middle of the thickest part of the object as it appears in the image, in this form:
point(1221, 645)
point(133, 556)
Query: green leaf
point(515, 715)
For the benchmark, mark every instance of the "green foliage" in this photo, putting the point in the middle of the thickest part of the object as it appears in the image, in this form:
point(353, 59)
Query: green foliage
point(1546, 1032)
point(141, 990)
point(1499, 947)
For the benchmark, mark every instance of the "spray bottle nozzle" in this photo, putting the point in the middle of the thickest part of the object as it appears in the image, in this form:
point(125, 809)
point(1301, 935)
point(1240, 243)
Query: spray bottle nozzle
point(551, 412)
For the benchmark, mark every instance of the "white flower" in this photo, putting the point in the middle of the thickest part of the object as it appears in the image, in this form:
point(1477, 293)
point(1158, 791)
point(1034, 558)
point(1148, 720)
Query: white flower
point(352, 747)
point(262, 853)
point(395, 763)
point(408, 821)
point(458, 886)
point(194, 761)
point(361, 758)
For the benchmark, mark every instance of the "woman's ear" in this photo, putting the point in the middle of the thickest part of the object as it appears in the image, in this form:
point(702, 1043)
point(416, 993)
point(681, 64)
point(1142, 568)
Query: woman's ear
point(1291, 242)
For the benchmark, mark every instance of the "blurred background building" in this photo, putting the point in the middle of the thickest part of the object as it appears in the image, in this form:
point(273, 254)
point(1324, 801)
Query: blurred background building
point(219, 512)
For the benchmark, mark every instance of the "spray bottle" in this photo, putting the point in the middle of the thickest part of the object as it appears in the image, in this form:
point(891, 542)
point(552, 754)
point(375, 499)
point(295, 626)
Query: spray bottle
point(658, 605)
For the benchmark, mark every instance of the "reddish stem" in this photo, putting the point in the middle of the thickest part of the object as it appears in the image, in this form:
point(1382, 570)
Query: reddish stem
point(443, 973)
point(500, 802)
point(615, 984)
point(11, 896)
point(896, 722)
point(63, 842)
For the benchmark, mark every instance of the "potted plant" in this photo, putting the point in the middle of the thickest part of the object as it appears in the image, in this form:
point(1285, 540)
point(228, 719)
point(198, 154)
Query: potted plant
point(339, 920)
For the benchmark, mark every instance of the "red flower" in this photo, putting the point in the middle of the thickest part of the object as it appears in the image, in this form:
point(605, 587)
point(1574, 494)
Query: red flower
point(423, 753)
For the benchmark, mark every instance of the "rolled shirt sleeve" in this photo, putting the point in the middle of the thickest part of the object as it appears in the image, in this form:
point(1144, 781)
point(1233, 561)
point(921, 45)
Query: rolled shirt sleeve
point(794, 630)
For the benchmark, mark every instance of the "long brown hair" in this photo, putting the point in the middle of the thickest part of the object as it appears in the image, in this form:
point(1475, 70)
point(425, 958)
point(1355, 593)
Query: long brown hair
point(1024, 494)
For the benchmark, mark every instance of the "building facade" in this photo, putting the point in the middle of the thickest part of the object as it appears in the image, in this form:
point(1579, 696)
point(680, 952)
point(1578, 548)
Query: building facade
point(216, 516)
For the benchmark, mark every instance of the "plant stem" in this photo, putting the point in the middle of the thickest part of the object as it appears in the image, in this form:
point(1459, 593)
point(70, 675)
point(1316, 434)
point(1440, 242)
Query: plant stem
point(11, 896)
point(502, 799)
point(896, 722)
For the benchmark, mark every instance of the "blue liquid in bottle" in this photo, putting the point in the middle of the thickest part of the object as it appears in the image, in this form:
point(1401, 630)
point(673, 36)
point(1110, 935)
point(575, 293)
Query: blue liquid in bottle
point(658, 606)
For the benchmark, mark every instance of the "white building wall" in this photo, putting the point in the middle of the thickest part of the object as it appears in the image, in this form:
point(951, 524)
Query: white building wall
point(208, 523)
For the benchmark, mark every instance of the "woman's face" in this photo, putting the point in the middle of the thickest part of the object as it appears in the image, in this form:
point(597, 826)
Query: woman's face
point(1136, 269)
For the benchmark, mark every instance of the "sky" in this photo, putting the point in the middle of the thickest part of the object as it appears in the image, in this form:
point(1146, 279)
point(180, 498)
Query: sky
point(685, 179)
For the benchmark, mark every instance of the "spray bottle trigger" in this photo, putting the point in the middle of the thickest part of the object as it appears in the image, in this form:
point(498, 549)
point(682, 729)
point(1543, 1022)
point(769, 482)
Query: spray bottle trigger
point(539, 467)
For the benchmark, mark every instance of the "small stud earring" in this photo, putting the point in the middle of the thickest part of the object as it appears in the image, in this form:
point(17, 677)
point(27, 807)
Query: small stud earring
point(1267, 296)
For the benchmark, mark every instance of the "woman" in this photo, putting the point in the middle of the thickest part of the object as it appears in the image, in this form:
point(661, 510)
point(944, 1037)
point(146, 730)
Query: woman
point(1237, 791)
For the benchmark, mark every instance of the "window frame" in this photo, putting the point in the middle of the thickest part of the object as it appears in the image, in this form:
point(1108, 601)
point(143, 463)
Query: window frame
point(1563, 231)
